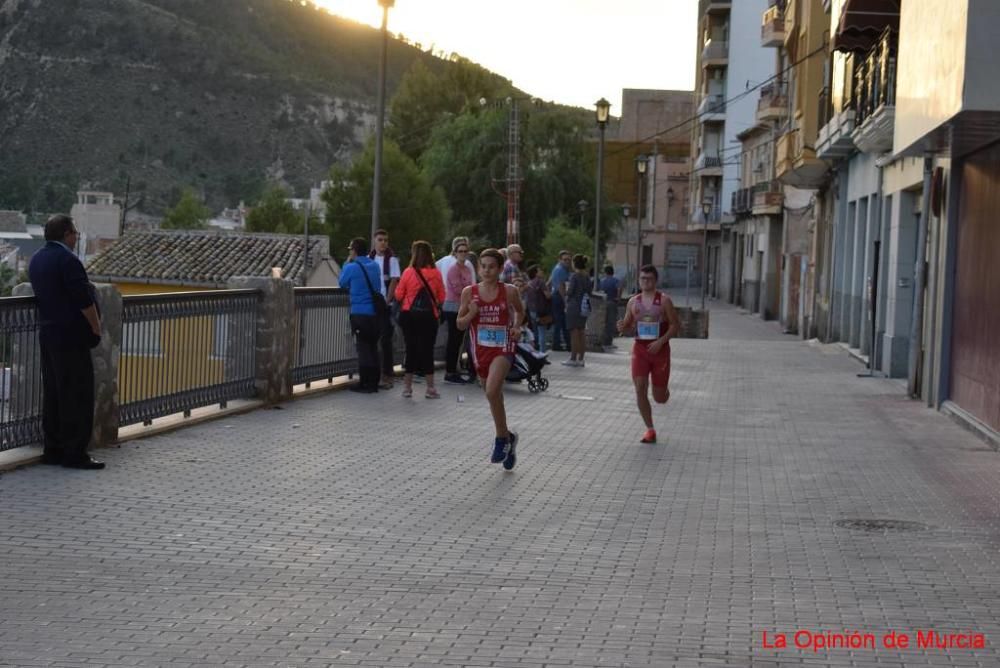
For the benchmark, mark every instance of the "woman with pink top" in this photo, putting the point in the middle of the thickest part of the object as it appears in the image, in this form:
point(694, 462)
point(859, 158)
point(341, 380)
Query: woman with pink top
point(420, 291)
point(458, 278)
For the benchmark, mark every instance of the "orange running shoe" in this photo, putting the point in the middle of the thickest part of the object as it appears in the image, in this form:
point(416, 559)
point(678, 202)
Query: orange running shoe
point(649, 436)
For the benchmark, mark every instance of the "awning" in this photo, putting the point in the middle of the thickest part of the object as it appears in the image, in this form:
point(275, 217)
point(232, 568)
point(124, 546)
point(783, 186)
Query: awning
point(862, 22)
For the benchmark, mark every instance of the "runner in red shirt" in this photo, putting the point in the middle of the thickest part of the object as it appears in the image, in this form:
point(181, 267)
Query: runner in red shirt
point(656, 322)
point(495, 314)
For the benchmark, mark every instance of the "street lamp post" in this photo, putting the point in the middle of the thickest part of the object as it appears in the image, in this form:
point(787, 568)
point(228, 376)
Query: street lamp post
point(706, 209)
point(377, 182)
point(603, 110)
point(581, 206)
point(666, 237)
point(641, 162)
point(626, 212)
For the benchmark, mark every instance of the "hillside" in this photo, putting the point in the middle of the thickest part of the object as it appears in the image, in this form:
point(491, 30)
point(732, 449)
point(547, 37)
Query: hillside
point(218, 95)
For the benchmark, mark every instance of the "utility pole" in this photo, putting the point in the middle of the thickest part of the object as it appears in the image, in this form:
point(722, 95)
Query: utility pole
point(513, 175)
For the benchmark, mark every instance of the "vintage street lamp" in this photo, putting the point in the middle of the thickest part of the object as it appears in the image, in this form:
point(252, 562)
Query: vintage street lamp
point(603, 109)
point(706, 209)
point(641, 162)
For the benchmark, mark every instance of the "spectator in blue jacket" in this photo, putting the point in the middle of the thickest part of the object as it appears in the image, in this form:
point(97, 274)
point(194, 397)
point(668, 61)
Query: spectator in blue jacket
point(360, 277)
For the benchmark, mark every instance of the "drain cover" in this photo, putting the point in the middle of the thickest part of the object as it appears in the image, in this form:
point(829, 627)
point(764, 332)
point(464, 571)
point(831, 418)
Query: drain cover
point(874, 525)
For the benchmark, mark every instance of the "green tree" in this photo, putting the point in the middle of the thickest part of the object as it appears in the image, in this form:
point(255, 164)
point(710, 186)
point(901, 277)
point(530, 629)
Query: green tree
point(425, 100)
point(561, 235)
point(467, 158)
point(188, 214)
point(411, 207)
point(274, 213)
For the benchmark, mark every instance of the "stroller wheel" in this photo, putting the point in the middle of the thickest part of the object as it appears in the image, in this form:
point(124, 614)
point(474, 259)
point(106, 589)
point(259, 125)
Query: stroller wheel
point(533, 387)
point(543, 383)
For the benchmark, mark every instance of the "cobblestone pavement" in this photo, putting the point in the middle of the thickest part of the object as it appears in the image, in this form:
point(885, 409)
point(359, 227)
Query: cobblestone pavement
point(353, 530)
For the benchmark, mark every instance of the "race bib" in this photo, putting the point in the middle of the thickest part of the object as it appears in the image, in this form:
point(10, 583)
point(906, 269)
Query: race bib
point(647, 331)
point(491, 337)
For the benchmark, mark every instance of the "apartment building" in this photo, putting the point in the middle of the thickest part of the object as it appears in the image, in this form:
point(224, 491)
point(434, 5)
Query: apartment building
point(731, 64)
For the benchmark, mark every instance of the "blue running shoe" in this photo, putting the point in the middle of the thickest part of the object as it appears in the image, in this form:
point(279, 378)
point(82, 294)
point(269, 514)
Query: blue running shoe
point(500, 446)
point(511, 458)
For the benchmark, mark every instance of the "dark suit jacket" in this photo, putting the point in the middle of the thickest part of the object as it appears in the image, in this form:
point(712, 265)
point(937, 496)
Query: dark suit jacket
point(62, 292)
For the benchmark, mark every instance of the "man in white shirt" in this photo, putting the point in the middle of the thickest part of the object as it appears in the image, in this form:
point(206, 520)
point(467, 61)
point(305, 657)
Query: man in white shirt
point(388, 265)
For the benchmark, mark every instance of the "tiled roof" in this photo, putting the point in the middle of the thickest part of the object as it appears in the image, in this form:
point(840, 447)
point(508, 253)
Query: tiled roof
point(12, 221)
point(205, 258)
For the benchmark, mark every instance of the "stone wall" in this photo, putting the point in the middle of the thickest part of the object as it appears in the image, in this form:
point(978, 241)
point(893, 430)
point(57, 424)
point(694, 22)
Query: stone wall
point(275, 348)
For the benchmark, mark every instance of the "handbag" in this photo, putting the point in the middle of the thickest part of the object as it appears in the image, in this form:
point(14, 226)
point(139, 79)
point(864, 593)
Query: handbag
point(378, 299)
point(422, 302)
point(585, 305)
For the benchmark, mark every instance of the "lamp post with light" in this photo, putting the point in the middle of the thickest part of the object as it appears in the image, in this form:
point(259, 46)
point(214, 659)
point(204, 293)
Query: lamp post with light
point(666, 238)
point(581, 206)
point(641, 162)
point(377, 182)
point(626, 212)
point(603, 110)
point(706, 209)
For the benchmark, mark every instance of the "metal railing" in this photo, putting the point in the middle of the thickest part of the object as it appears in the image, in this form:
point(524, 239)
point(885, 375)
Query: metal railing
point(774, 94)
point(712, 104)
point(875, 78)
point(21, 382)
point(742, 201)
point(324, 345)
point(186, 350)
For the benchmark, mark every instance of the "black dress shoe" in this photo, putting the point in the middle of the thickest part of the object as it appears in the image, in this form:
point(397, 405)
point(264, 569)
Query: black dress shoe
point(362, 390)
point(84, 463)
point(51, 459)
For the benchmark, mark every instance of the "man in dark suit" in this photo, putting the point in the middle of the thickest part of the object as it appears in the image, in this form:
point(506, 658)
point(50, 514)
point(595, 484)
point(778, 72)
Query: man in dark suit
point(70, 326)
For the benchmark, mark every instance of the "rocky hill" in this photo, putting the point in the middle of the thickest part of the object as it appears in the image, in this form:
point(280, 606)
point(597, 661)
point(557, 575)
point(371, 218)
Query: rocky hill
point(218, 95)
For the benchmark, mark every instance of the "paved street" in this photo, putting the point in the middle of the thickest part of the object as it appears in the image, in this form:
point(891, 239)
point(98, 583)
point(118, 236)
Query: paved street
point(788, 495)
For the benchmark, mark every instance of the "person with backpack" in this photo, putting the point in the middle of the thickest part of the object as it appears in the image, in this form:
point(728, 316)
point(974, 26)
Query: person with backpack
point(421, 294)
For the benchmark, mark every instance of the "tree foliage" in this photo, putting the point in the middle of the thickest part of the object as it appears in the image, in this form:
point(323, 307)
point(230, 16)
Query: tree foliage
point(468, 159)
point(274, 213)
point(560, 236)
point(426, 99)
point(188, 214)
point(411, 206)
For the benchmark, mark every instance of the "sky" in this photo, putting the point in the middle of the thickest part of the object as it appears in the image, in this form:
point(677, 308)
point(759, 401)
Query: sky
point(567, 51)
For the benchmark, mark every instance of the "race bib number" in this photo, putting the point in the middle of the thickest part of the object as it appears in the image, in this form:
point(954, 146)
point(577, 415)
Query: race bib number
point(491, 337)
point(647, 331)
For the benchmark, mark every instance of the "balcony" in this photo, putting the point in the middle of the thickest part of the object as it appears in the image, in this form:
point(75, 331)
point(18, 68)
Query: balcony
point(772, 29)
point(714, 7)
point(875, 97)
point(767, 198)
point(742, 202)
point(712, 109)
point(773, 103)
point(708, 165)
point(715, 53)
point(835, 135)
point(797, 164)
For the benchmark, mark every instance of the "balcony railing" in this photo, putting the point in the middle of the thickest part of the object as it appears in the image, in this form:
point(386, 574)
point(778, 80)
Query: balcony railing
point(773, 102)
point(742, 201)
point(712, 104)
point(772, 29)
point(21, 383)
point(875, 79)
point(825, 110)
point(185, 350)
point(715, 50)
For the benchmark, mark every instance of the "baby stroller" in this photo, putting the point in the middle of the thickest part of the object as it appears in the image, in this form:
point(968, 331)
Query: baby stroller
point(528, 364)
